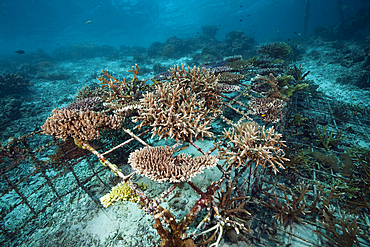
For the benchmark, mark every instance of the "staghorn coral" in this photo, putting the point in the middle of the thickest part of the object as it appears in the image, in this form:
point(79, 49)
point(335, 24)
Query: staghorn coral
point(248, 142)
point(122, 91)
point(340, 232)
point(79, 125)
point(183, 108)
point(201, 82)
point(331, 140)
point(269, 109)
point(291, 208)
point(272, 83)
point(159, 164)
point(174, 113)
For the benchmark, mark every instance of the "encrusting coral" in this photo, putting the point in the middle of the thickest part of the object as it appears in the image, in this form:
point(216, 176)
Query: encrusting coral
point(83, 125)
point(120, 192)
point(159, 164)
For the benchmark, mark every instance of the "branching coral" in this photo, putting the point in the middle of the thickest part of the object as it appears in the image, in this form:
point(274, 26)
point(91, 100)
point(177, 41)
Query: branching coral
point(121, 94)
point(272, 84)
point(328, 141)
point(227, 88)
point(248, 142)
point(201, 82)
point(292, 209)
point(183, 108)
point(343, 235)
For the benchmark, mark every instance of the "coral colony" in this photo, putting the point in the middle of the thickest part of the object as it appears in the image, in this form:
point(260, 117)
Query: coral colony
point(267, 181)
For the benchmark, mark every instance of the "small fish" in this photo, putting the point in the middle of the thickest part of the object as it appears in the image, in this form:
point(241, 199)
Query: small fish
point(240, 20)
point(343, 7)
point(20, 52)
point(88, 22)
point(184, 147)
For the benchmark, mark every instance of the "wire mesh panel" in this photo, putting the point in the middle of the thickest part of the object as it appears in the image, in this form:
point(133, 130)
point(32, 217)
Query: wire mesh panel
point(33, 184)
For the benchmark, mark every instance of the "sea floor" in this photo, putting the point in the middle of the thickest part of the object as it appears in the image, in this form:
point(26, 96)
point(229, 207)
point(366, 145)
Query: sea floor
point(80, 222)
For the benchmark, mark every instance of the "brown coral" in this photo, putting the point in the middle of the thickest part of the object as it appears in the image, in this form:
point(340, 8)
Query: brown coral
point(79, 125)
point(269, 86)
point(159, 164)
point(183, 108)
point(248, 142)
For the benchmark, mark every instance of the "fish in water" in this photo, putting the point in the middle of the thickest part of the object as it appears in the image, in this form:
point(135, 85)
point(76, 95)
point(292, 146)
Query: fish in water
point(88, 22)
point(20, 52)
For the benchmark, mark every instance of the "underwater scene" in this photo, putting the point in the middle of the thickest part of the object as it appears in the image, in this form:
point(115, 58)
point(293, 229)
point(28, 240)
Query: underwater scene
point(217, 123)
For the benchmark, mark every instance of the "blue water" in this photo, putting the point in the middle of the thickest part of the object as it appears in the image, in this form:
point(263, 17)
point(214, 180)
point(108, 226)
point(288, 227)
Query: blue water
point(48, 24)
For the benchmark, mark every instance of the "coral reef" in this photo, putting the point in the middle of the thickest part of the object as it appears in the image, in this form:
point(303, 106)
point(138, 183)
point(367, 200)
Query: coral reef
point(14, 84)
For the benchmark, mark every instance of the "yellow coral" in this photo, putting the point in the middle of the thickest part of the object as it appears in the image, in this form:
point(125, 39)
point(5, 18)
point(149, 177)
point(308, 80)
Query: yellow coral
point(120, 192)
